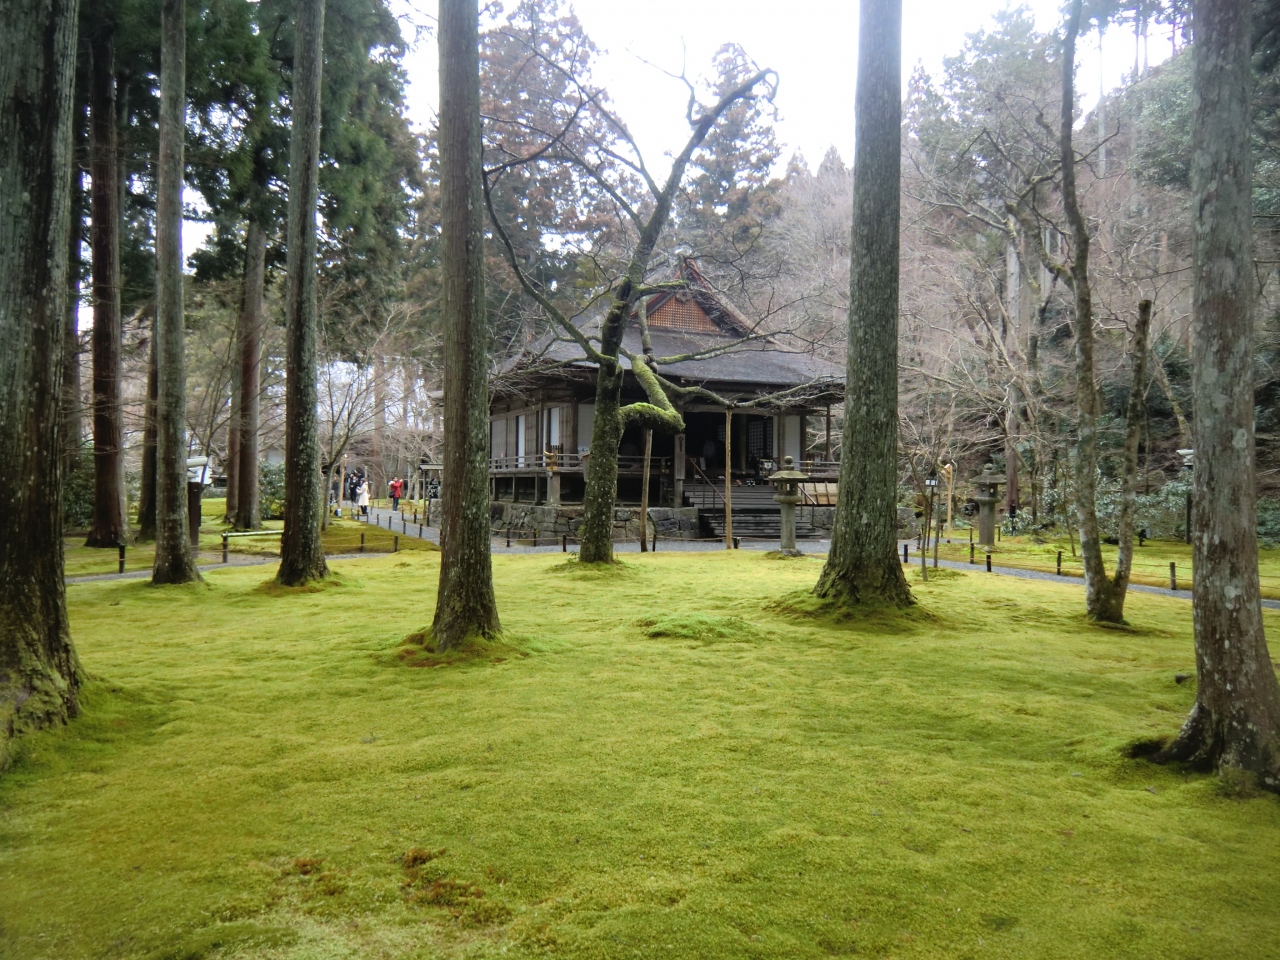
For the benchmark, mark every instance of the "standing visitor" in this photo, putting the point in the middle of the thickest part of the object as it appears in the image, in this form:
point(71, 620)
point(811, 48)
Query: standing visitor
point(362, 496)
point(397, 489)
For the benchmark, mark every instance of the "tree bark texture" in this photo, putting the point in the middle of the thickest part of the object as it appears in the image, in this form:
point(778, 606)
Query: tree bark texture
point(174, 562)
point(248, 514)
point(301, 550)
point(39, 671)
point(1236, 718)
point(1103, 601)
point(110, 523)
point(147, 480)
point(862, 566)
point(465, 604)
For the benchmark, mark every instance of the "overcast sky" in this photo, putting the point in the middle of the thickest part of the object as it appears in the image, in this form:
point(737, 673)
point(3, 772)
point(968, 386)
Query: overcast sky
point(812, 44)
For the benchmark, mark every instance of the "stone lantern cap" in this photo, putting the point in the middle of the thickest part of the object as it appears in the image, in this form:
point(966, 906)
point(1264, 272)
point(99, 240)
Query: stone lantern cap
point(988, 477)
point(786, 473)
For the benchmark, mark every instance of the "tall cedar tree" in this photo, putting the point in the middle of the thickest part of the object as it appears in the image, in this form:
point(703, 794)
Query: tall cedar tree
point(174, 562)
point(465, 605)
point(39, 672)
point(862, 567)
point(110, 525)
point(248, 513)
point(1235, 721)
point(301, 552)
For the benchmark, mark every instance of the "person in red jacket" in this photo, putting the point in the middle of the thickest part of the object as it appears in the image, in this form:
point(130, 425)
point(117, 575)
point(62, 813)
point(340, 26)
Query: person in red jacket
point(397, 491)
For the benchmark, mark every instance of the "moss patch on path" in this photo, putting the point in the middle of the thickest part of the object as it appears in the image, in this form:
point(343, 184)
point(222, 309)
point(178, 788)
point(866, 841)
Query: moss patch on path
point(663, 763)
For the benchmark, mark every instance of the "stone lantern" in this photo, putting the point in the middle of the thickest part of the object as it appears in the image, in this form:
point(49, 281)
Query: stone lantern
point(988, 483)
point(788, 482)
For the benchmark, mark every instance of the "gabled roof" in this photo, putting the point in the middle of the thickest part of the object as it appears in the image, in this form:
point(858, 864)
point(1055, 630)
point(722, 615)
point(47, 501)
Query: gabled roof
point(695, 309)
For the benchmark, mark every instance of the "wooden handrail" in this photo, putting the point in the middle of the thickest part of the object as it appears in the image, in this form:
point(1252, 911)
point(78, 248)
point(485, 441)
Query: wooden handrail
point(693, 463)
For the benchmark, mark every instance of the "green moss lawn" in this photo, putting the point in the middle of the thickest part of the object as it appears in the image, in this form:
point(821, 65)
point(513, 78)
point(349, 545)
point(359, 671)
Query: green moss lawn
point(659, 763)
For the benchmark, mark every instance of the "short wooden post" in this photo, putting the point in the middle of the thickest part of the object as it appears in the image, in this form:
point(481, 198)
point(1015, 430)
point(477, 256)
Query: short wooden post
point(564, 543)
point(971, 548)
point(736, 542)
point(224, 548)
point(362, 541)
point(1059, 563)
point(654, 549)
point(122, 557)
point(419, 531)
point(988, 563)
point(998, 531)
point(905, 550)
point(1173, 575)
point(427, 519)
point(395, 544)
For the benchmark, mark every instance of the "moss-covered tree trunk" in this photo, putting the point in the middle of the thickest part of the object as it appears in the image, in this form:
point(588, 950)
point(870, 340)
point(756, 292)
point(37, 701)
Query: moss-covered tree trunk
point(174, 562)
point(863, 567)
point(39, 672)
point(301, 550)
point(465, 604)
point(1236, 718)
point(248, 513)
point(109, 526)
point(600, 496)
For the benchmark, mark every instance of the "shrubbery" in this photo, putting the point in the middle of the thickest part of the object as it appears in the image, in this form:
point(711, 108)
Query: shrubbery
point(271, 490)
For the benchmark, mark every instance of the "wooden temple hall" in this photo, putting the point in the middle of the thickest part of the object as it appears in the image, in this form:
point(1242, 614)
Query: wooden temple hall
point(541, 411)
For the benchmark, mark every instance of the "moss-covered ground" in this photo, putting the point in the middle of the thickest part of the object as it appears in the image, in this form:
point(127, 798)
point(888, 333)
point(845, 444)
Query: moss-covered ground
point(658, 763)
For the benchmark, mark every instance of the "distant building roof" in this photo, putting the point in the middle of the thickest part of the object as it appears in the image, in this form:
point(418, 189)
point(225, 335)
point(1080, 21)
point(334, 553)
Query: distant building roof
point(727, 347)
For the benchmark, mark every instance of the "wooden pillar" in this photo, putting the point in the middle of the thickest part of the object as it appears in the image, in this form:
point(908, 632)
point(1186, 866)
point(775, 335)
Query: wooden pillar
point(644, 491)
point(728, 479)
point(678, 467)
point(828, 433)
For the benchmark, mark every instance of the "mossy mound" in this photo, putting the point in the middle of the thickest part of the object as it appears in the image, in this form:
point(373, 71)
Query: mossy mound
point(703, 628)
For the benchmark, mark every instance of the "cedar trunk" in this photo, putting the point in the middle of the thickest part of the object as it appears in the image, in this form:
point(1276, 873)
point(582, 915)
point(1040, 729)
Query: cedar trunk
point(248, 515)
point(465, 604)
point(301, 550)
point(863, 566)
point(39, 671)
point(147, 481)
point(1236, 718)
point(232, 460)
point(109, 527)
point(174, 562)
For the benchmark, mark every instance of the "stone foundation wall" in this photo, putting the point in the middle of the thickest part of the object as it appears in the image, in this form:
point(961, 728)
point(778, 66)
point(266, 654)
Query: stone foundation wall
point(823, 518)
point(547, 521)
